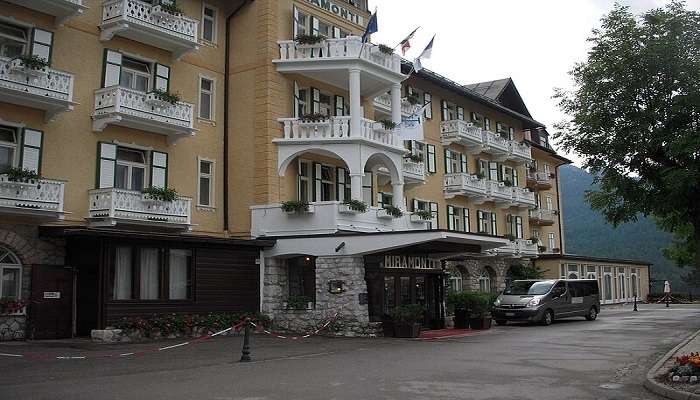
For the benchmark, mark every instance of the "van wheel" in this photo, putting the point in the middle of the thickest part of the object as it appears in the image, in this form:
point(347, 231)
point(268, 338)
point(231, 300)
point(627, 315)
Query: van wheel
point(501, 322)
point(547, 318)
point(592, 314)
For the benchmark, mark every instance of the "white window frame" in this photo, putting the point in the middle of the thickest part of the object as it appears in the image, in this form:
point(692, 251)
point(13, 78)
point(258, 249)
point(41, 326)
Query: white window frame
point(212, 96)
point(148, 76)
point(212, 181)
point(131, 165)
point(485, 282)
point(310, 185)
point(548, 202)
point(214, 21)
point(550, 241)
point(15, 266)
point(16, 146)
point(27, 31)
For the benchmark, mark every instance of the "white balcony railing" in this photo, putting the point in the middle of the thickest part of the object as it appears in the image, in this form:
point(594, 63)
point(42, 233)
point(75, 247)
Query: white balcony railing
point(146, 23)
point(61, 9)
point(326, 218)
point(522, 197)
point(496, 144)
point(462, 184)
point(414, 169)
point(337, 129)
point(383, 103)
point(113, 206)
point(465, 133)
point(520, 151)
point(498, 192)
point(41, 198)
point(539, 178)
point(45, 89)
point(543, 216)
point(517, 248)
point(477, 140)
point(135, 109)
point(350, 48)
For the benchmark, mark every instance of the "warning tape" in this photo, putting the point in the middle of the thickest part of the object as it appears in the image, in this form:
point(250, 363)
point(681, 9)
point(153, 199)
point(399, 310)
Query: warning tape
point(316, 332)
point(129, 354)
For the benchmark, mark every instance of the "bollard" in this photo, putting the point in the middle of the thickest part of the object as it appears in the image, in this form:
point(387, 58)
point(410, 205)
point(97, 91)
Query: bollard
point(667, 296)
point(635, 303)
point(245, 353)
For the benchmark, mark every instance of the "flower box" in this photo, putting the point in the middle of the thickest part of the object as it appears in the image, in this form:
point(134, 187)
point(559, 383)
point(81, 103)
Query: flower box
point(345, 209)
point(153, 100)
point(418, 220)
point(17, 65)
point(384, 214)
point(158, 11)
point(310, 210)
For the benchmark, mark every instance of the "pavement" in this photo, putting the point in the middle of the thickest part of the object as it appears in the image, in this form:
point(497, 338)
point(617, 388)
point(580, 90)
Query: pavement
point(572, 359)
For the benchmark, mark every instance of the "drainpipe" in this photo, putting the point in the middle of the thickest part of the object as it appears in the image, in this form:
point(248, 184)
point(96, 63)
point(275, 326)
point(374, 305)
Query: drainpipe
point(227, 67)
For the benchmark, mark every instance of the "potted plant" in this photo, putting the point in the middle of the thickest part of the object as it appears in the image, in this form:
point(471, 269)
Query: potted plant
point(459, 302)
point(480, 311)
point(21, 175)
point(510, 237)
point(422, 216)
point(313, 118)
point(387, 125)
point(534, 239)
point(413, 99)
point(298, 303)
point(385, 49)
point(31, 65)
point(406, 320)
point(507, 182)
point(389, 211)
point(167, 10)
point(476, 123)
point(160, 194)
point(352, 206)
point(479, 175)
point(11, 306)
point(303, 40)
point(416, 158)
point(296, 207)
point(162, 98)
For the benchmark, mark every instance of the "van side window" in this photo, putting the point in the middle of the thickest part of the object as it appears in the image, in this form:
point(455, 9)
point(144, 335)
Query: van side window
point(575, 289)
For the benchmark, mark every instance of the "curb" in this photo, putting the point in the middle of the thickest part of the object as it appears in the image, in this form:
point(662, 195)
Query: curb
point(665, 391)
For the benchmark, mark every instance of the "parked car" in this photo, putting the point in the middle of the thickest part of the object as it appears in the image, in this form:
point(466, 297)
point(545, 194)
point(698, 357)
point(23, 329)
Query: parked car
point(544, 301)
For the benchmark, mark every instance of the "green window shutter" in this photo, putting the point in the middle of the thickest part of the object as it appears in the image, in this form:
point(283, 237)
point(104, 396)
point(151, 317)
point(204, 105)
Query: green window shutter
point(315, 26)
point(32, 141)
point(315, 100)
point(162, 77)
point(450, 217)
point(339, 106)
point(494, 225)
point(432, 164)
point(465, 217)
point(463, 163)
point(460, 113)
point(448, 161)
point(444, 108)
point(42, 44)
point(106, 165)
point(515, 176)
point(340, 184)
point(317, 181)
point(435, 224)
point(428, 100)
point(159, 169)
point(416, 206)
point(297, 100)
point(294, 22)
point(112, 68)
point(511, 133)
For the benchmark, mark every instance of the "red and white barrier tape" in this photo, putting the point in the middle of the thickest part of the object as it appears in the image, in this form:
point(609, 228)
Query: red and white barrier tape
point(277, 335)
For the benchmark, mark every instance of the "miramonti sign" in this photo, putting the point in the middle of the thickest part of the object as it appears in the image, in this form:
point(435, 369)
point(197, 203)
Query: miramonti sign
point(339, 11)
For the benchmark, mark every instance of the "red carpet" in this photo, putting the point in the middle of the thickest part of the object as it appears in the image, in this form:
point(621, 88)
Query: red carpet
point(445, 333)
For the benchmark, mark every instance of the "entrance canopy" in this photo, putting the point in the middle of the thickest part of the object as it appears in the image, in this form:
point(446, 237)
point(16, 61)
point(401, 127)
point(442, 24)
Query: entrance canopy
point(437, 244)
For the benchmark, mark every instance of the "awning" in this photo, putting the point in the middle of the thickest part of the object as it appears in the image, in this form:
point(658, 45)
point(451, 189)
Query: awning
point(434, 243)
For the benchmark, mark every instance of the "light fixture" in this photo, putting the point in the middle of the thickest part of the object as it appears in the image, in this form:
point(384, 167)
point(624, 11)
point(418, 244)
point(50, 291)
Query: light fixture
point(336, 287)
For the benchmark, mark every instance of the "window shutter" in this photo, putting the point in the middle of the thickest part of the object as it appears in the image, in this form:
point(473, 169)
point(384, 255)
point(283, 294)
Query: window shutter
point(336, 32)
point(480, 221)
point(112, 69)
point(448, 163)
point(315, 100)
point(503, 173)
point(450, 217)
point(32, 141)
point(494, 226)
point(511, 133)
point(42, 44)
point(463, 163)
point(460, 113)
point(428, 100)
point(300, 195)
point(465, 216)
point(444, 108)
point(474, 117)
point(315, 26)
point(297, 103)
point(409, 90)
point(436, 216)
point(415, 205)
point(159, 169)
point(339, 106)
point(432, 165)
point(317, 181)
point(107, 165)
point(515, 176)
point(295, 22)
point(340, 184)
point(487, 124)
point(162, 77)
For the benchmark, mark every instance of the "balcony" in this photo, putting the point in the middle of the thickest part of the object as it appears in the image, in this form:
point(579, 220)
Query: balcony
point(539, 180)
point(462, 184)
point(40, 199)
point(109, 207)
point(382, 104)
point(499, 193)
point(477, 140)
point(326, 218)
point(523, 197)
point(139, 110)
point(496, 145)
point(61, 9)
point(520, 152)
point(516, 249)
point(337, 130)
point(543, 217)
point(330, 60)
point(45, 89)
point(148, 24)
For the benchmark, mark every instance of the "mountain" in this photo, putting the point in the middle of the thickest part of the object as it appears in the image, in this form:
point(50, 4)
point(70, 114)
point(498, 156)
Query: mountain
point(587, 233)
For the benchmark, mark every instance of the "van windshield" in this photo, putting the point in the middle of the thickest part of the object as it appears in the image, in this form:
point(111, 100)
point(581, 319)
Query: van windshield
point(528, 287)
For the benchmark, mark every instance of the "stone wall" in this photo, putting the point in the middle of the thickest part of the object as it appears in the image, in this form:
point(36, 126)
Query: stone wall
point(12, 327)
point(497, 268)
point(353, 317)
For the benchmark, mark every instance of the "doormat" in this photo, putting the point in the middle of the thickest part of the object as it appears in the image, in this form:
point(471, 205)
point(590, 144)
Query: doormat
point(445, 333)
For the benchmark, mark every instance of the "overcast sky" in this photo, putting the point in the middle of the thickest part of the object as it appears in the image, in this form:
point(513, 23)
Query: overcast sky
point(535, 42)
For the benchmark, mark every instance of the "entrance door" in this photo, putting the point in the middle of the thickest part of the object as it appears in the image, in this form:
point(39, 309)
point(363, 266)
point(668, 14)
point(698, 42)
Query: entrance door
point(51, 309)
point(607, 288)
point(404, 289)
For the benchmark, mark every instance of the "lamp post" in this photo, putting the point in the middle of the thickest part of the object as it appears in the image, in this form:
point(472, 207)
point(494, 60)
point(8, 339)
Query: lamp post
point(245, 352)
point(635, 302)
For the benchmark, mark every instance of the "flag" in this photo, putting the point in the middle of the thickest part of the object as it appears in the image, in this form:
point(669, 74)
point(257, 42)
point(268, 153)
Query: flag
point(372, 27)
point(424, 55)
point(406, 43)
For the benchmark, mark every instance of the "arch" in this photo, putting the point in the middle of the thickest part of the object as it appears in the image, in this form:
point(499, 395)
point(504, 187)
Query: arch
point(11, 273)
point(382, 159)
point(456, 275)
point(286, 159)
point(487, 280)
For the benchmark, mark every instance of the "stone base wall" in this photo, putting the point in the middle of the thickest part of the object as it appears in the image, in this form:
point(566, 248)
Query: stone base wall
point(352, 317)
point(496, 268)
point(12, 327)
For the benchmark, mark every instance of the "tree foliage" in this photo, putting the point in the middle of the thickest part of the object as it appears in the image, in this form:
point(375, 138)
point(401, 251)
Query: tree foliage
point(635, 117)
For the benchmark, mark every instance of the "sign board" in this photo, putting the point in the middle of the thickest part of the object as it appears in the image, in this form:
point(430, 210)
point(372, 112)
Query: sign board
point(52, 295)
point(339, 10)
point(577, 300)
point(408, 262)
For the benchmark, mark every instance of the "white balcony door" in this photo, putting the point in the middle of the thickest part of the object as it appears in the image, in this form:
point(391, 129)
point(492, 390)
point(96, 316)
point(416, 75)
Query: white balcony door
point(130, 170)
point(135, 74)
point(13, 40)
point(8, 148)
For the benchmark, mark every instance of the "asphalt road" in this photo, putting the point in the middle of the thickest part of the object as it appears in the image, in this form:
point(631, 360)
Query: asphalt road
point(605, 359)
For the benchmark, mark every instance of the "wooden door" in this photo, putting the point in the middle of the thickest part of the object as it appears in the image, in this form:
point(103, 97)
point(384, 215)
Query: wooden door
point(51, 308)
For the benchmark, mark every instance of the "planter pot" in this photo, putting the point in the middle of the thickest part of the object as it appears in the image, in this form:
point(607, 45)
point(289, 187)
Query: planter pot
point(480, 322)
point(418, 220)
point(345, 209)
point(383, 214)
point(157, 11)
point(461, 321)
point(301, 212)
point(154, 101)
point(407, 330)
point(18, 66)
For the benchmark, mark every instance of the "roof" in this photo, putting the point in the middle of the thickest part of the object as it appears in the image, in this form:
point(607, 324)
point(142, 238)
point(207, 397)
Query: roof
point(578, 257)
point(549, 150)
point(490, 89)
point(504, 92)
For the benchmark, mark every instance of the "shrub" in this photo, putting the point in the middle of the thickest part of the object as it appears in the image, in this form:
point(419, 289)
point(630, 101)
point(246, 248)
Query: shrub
point(508, 182)
point(171, 8)
point(295, 206)
point(413, 98)
point(424, 215)
point(480, 175)
point(407, 314)
point(315, 117)
point(183, 324)
point(298, 302)
point(414, 157)
point(385, 49)
point(8, 305)
point(21, 175)
point(393, 211)
point(387, 124)
point(172, 98)
point(160, 194)
point(474, 303)
point(356, 205)
point(309, 39)
point(33, 62)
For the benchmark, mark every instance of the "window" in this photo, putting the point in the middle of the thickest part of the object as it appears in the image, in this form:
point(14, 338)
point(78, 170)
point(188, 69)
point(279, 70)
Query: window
point(130, 169)
point(550, 240)
point(8, 148)
point(206, 183)
point(493, 171)
point(13, 40)
point(367, 187)
point(457, 218)
point(10, 275)
point(137, 273)
point(304, 186)
point(451, 111)
point(209, 15)
point(428, 100)
point(486, 222)
point(327, 184)
point(485, 282)
point(135, 74)
point(422, 205)
point(455, 280)
point(487, 123)
point(548, 203)
point(302, 277)
point(384, 199)
point(516, 226)
point(572, 271)
point(206, 98)
point(310, 100)
point(431, 163)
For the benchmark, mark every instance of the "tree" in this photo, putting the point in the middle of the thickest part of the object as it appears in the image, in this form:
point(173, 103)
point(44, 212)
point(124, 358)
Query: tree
point(530, 271)
point(635, 118)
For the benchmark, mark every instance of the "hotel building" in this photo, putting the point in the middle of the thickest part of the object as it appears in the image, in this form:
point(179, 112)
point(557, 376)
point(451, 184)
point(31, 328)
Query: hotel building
point(104, 100)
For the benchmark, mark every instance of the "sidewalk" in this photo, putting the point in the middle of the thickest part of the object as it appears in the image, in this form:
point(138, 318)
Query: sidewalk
point(656, 382)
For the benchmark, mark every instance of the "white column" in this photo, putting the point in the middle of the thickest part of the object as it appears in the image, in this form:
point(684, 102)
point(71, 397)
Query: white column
point(355, 103)
point(398, 194)
point(396, 103)
point(356, 186)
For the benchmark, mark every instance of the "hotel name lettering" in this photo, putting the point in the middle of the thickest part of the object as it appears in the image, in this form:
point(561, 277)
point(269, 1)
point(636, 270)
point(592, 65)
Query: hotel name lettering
point(339, 11)
point(408, 262)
